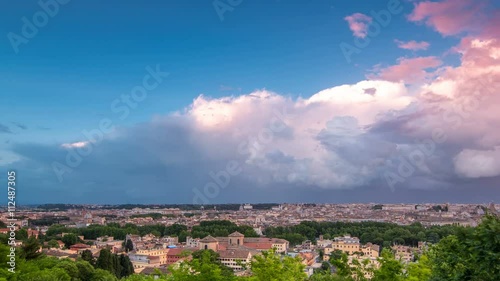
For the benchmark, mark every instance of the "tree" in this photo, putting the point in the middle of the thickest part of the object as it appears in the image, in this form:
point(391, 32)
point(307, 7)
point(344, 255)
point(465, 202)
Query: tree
point(53, 244)
point(419, 270)
point(88, 257)
point(328, 277)
point(271, 267)
point(69, 267)
point(341, 263)
point(321, 253)
point(210, 257)
point(41, 238)
point(105, 261)
point(129, 246)
point(85, 270)
point(433, 237)
point(102, 275)
point(325, 266)
point(390, 268)
point(46, 275)
point(398, 241)
point(120, 266)
point(30, 249)
point(69, 239)
point(126, 266)
point(22, 234)
point(117, 265)
point(335, 255)
point(199, 269)
point(484, 246)
point(471, 254)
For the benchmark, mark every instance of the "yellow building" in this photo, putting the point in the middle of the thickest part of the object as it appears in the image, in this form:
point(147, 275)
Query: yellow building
point(370, 250)
point(148, 258)
point(235, 258)
point(403, 253)
point(352, 247)
point(346, 244)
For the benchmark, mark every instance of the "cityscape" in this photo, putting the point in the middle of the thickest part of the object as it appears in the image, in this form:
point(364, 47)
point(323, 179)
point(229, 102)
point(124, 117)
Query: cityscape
point(156, 237)
point(263, 140)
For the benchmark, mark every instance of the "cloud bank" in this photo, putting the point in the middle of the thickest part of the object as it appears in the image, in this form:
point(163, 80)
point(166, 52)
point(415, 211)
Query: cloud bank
point(418, 124)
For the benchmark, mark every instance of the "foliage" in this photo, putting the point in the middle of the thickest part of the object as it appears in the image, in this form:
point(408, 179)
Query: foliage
point(390, 268)
point(88, 257)
point(129, 246)
point(271, 267)
point(373, 232)
point(42, 268)
point(53, 244)
point(209, 256)
point(22, 234)
point(154, 216)
point(417, 271)
point(48, 220)
point(203, 266)
point(105, 261)
point(70, 239)
point(468, 254)
point(119, 265)
point(30, 249)
point(220, 229)
point(126, 266)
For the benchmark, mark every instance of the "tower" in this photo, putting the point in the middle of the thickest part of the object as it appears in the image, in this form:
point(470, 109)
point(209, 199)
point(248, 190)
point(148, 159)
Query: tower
point(236, 239)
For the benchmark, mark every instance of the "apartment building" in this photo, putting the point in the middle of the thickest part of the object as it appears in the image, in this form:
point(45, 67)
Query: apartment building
point(370, 250)
point(404, 253)
point(347, 244)
point(148, 257)
point(235, 259)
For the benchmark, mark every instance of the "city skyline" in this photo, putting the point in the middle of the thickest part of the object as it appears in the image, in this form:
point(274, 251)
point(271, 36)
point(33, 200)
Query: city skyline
point(214, 102)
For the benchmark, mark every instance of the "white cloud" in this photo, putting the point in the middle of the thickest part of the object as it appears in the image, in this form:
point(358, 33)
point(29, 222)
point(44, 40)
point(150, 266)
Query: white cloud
point(75, 144)
point(478, 163)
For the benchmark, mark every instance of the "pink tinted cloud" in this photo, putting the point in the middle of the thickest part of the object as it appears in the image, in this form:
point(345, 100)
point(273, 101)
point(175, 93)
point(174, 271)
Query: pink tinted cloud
point(407, 70)
point(491, 27)
point(412, 45)
point(358, 23)
point(449, 17)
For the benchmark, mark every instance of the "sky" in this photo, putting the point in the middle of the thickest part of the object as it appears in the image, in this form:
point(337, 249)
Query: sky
point(236, 101)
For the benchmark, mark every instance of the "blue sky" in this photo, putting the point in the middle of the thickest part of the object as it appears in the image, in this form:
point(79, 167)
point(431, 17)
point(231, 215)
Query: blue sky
point(90, 52)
